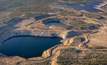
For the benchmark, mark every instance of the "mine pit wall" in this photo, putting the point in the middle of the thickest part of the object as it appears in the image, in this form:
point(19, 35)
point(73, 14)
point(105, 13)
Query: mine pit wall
point(8, 34)
point(47, 53)
point(49, 20)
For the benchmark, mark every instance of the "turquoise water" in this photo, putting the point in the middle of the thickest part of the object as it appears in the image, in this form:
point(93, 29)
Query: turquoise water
point(55, 23)
point(28, 46)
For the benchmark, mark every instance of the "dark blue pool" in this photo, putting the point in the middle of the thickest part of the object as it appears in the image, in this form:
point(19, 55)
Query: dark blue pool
point(28, 46)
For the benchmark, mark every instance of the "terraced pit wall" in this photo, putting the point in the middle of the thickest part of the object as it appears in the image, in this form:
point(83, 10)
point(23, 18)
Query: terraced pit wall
point(8, 34)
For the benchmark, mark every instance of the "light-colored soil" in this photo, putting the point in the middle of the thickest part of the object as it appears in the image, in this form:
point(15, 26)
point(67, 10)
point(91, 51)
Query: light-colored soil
point(24, 24)
point(98, 39)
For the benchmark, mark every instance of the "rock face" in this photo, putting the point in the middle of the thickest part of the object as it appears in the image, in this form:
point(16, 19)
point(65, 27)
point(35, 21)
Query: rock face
point(50, 20)
point(68, 42)
point(76, 41)
point(63, 34)
point(46, 53)
point(8, 34)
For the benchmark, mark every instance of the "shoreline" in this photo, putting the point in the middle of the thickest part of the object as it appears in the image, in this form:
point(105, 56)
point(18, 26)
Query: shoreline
point(100, 5)
point(95, 6)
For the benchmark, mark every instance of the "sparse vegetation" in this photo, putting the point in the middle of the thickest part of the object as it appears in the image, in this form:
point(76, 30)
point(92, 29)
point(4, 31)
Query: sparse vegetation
point(40, 27)
point(77, 23)
point(45, 62)
point(77, 41)
point(25, 5)
point(72, 57)
point(70, 13)
point(27, 14)
point(93, 15)
point(73, 50)
point(96, 47)
point(16, 14)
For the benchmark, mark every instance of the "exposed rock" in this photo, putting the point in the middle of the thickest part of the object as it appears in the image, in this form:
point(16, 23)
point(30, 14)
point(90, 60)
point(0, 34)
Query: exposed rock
point(68, 42)
point(9, 34)
point(84, 44)
point(63, 34)
point(75, 41)
point(22, 28)
point(46, 53)
point(50, 20)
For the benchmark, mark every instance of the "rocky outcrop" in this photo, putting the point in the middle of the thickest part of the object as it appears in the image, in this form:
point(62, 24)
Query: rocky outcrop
point(68, 42)
point(50, 20)
point(75, 41)
point(47, 33)
point(63, 34)
point(8, 34)
point(46, 53)
point(83, 44)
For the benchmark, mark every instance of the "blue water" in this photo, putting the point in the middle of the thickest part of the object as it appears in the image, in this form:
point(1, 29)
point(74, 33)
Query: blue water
point(88, 7)
point(28, 46)
point(54, 23)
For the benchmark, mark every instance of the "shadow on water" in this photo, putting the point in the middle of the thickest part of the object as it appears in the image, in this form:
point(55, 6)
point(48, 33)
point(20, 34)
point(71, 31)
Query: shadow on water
point(28, 46)
point(54, 23)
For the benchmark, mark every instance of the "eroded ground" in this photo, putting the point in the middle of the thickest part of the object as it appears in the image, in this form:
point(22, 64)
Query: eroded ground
point(84, 31)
